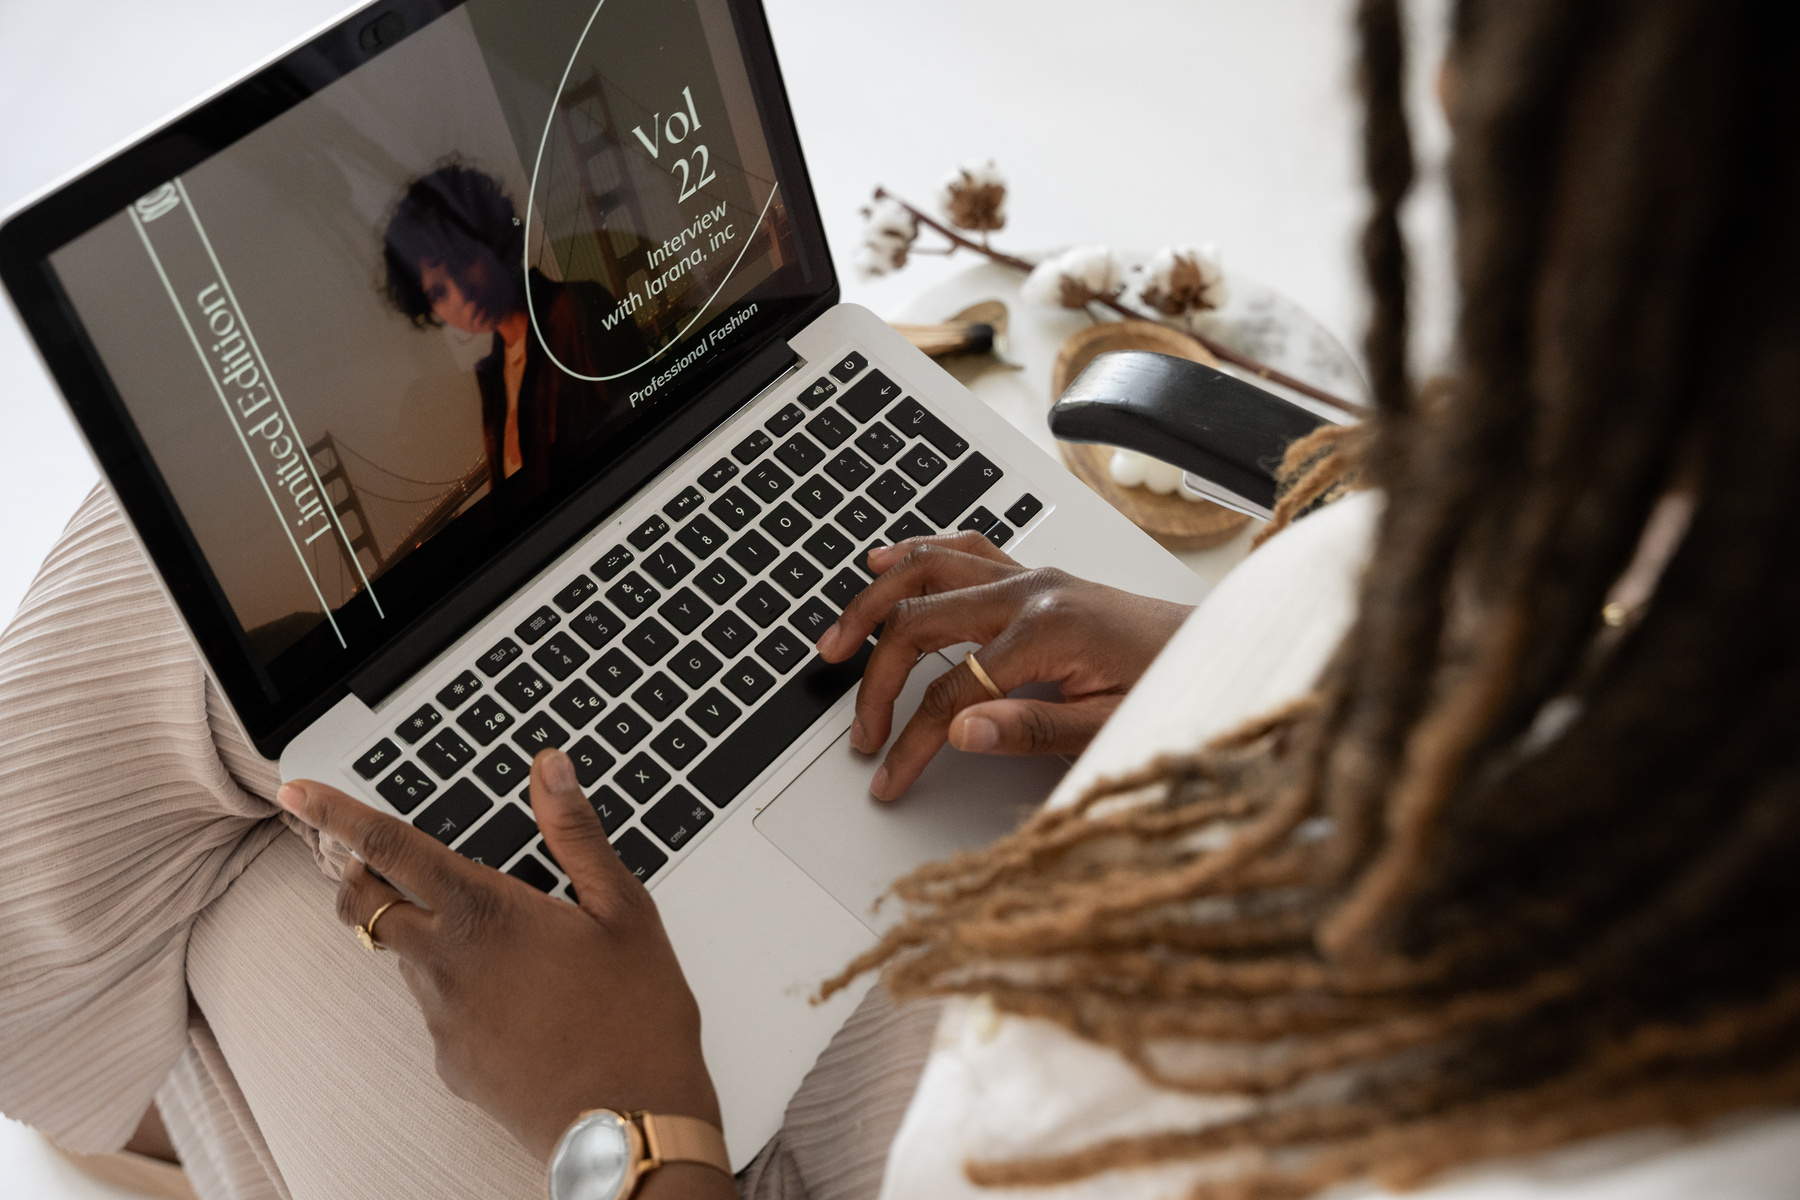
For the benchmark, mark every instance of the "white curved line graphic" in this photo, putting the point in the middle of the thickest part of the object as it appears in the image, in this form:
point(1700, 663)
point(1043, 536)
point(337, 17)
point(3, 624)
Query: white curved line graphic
point(531, 199)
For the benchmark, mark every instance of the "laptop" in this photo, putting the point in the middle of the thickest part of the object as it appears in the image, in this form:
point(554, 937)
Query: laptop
point(473, 375)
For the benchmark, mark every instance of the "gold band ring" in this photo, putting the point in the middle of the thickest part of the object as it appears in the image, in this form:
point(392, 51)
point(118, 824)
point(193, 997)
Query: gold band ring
point(366, 933)
point(982, 677)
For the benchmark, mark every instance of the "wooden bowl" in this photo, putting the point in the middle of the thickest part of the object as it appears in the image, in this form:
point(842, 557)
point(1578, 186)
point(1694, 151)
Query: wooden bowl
point(1177, 523)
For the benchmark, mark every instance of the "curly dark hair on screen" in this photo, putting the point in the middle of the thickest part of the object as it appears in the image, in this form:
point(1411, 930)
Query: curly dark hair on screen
point(1510, 875)
point(459, 218)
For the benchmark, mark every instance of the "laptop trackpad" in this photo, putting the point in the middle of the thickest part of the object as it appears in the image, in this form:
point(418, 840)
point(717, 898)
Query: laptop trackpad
point(854, 846)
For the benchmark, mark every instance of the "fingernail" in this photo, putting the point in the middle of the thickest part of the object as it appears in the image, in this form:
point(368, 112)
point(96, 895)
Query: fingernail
point(856, 733)
point(291, 796)
point(559, 772)
point(878, 785)
point(979, 735)
point(827, 641)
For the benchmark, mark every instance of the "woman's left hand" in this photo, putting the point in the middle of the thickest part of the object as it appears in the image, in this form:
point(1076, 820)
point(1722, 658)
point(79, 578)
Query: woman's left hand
point(540, 1009)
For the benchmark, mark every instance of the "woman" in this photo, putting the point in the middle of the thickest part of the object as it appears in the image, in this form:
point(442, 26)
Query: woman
point(454, 251)
point(1495, 851)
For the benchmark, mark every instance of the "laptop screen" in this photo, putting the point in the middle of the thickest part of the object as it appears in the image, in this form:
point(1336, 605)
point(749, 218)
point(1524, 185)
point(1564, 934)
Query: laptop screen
point(369, 341)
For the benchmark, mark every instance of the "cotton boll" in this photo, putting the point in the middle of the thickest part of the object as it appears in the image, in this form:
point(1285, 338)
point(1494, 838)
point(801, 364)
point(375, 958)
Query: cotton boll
point(1127, 468)
point(1073, 278)
point(1184, 279)
point(974, 197)
point(888, 234)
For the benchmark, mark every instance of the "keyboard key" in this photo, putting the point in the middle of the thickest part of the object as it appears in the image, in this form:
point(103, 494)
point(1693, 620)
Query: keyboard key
point(959, 489)
point(767, 482)
point(747, 680)
point(747, 450)
point(495, 660)
point(530, 870)
point(848, 366)
point(572, 597)
point(763, 604)
point(813, 618)
point(784, 420)
point(981, 520)
point(685, 611)
point(910, 417)
point(800, 454)
point(892, 492)
point(785, 523)
point(597, 625)
point(784, 650)
point(659, 696)
point(862, 560)
point(677, 744)
point(649, 533)
point(632, 595)
point(578, 704)
point(687, 502)
point(615, 672)
point(523, 688)
point(718, 475)
point(614, 561)
point(537, 625)
point(677, 817)
point(861, 518)
point(539, 732)
point(641, 778)
point(1024, 508)
point(668, 566)
point(729, 635)
point(921, 465)
point(651, 640)
point(503, 771)
point(1000, 534)
point(735, 508)
point(455, 811)
point(830, 428)
point(713, 712)
point(458, 690)
point(500, 837)
point(829, 545)
point(419, 724)
point(561, 656)
point(822, 390)
point(752, 552)
point(880, 443)
point(623, 727)
point(379, 758)
point(485, 720)
point(796, 576)
point(591, 761)
point(695, 664)
point(612, 809)
point(405, 787)
point(909, 526)
point(844, 587)
point(639, 854)
point(701, 536)
point(446, 754)
point(874, 393)
point(850, 469)
point(720, 582)
point(818, 497)
point(767, 733)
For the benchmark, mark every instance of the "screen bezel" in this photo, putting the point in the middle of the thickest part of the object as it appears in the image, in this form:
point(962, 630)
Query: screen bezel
point(272, 716)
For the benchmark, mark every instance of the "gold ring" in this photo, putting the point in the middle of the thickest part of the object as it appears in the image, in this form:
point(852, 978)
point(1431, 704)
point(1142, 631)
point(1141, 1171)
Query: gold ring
point(366, 933)
point(981, 676)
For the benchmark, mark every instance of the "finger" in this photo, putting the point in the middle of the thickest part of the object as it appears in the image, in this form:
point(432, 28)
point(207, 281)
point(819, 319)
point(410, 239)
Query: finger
point(403, 928)
point(929, 566)
point(928, 730)
point(573, 833)
point(966, 540)
point(401, 854)
point(1030, 726)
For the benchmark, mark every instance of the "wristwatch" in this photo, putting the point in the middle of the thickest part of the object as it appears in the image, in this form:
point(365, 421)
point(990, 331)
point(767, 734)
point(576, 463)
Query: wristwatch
point(605, 1154)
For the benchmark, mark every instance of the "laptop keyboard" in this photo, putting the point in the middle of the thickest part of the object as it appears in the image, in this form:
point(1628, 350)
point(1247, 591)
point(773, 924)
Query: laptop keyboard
point(680, 665)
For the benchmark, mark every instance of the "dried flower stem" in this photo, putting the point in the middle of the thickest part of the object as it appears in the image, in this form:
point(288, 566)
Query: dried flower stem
point(1218, 349)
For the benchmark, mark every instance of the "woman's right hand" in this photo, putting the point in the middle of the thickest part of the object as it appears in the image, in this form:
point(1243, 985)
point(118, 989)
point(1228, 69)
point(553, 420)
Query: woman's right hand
point(1034, 626)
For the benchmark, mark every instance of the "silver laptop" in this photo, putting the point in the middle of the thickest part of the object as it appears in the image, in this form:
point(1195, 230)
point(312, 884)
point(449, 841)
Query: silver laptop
point(474, 377)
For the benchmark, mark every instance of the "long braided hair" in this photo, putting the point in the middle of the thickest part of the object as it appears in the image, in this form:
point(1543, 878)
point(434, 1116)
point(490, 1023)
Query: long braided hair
point(1513, 873)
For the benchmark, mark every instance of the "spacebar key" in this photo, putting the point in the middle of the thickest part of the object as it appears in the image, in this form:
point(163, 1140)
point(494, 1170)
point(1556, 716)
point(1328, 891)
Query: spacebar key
point(768, 732)
point(961, 488)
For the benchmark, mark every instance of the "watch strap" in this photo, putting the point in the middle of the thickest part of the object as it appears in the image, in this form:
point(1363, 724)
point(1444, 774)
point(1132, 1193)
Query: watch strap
point(670, 1139)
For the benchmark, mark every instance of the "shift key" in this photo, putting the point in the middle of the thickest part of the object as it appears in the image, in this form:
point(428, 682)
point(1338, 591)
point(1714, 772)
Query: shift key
point(961, 488)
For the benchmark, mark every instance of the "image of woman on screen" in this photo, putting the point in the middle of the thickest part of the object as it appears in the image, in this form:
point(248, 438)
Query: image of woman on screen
point(454, 252)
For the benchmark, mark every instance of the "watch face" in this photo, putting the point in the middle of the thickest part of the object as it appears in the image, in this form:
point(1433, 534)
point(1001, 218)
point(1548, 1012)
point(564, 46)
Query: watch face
point(595, 1161)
